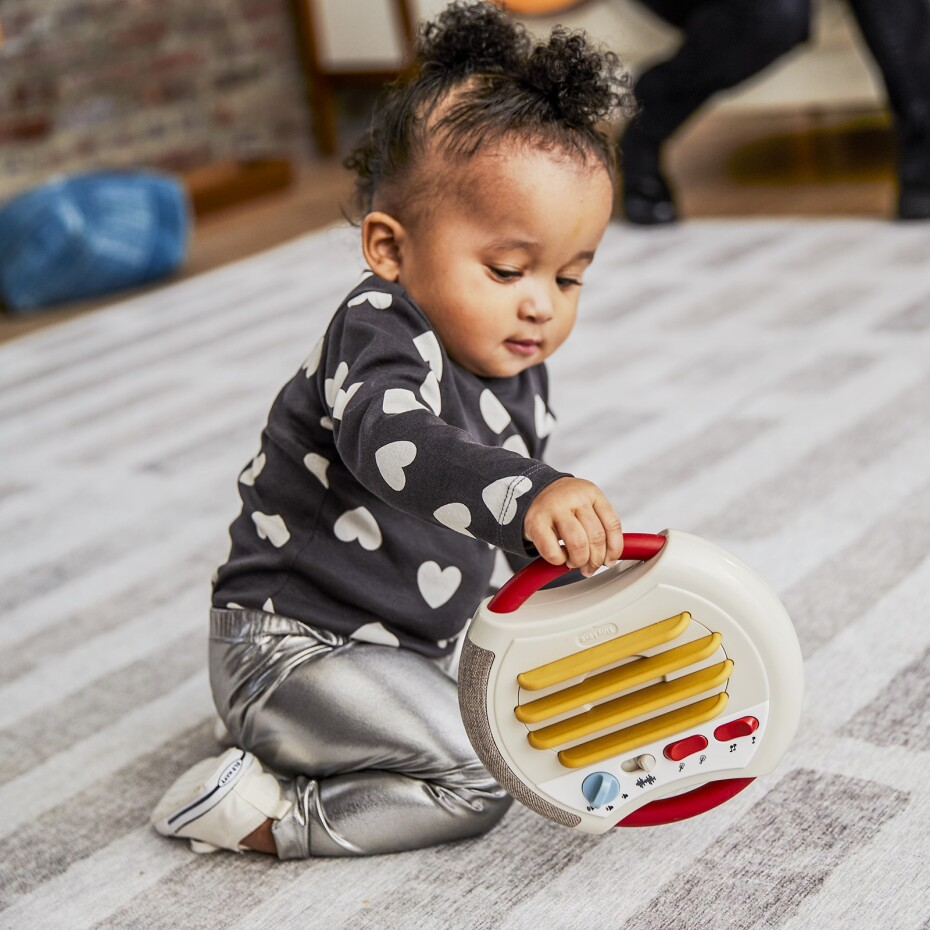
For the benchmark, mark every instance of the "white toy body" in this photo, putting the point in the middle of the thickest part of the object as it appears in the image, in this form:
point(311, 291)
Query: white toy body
point(718, 708)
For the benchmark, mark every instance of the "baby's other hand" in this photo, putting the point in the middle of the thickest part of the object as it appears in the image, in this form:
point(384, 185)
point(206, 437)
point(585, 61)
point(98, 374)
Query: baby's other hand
point(575, 511)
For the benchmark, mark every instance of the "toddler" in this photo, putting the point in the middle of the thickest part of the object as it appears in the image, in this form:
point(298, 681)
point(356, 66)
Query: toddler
point(406, 448)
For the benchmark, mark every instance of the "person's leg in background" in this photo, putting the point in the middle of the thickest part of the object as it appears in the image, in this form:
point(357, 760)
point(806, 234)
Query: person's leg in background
point(724, 42)
point(897, 33)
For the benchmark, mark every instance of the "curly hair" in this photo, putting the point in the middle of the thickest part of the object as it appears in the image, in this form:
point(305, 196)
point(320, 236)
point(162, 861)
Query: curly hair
point(477, 80)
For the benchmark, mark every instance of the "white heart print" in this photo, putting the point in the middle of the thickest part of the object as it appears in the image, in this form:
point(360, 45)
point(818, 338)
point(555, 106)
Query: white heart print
point(359, 525)
point(375, 633)
point(545, 421)
point(430, 392)
point(313, 359)
point(272, 527)
point(343, 398)
point(437, 584)
point(455, 516)
point(378, 299)
point(392, 459)
point(428, 346)
point(336, 397)
point(516, 444)
point(253, 470)
point(500, 497)
point(332, 386)
point(494, 412)
point(318, 466)
point(400, 400)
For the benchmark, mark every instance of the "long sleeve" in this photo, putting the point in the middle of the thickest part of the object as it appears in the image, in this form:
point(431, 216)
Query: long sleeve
point(407, 434)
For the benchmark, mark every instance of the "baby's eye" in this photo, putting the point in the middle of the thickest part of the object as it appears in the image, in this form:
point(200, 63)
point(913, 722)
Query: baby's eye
point(504, 274)
point(568, 282)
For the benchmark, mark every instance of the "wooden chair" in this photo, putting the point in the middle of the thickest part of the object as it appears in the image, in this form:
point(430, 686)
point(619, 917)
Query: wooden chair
point(324, 79)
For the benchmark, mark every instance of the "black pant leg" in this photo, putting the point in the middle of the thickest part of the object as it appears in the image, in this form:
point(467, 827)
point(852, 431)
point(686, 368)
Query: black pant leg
point(724, 42)
point(897, 33)
point(674, 12)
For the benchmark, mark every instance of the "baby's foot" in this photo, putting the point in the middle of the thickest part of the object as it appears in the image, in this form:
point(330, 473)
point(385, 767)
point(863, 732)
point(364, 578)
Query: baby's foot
point(219, 802)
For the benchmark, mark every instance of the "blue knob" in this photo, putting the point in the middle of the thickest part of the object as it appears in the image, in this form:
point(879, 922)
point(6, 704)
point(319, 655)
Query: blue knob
point(600, 788)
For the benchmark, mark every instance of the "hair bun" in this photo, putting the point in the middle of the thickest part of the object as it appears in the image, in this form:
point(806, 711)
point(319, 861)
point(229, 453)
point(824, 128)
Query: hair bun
point(470, 38)
point(574, 77)
point(479, 80)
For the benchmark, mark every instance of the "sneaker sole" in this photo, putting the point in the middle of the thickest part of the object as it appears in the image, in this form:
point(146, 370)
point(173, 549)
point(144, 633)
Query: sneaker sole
point(224, 777)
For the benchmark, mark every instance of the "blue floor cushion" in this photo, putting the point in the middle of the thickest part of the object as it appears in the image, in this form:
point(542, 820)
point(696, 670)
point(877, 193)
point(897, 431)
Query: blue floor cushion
point(84, 235)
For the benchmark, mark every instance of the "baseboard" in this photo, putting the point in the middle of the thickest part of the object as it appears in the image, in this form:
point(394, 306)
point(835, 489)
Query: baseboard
point(224, 184)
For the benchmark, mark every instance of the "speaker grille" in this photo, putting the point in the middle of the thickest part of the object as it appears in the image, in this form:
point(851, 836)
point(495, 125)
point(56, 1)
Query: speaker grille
point(475, 671)
point(623, 693)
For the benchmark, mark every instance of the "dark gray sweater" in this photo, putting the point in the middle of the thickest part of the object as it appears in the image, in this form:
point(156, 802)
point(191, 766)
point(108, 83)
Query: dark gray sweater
point(385, 472)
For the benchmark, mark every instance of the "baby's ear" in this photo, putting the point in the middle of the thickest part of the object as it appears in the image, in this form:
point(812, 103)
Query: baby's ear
point(382, 241)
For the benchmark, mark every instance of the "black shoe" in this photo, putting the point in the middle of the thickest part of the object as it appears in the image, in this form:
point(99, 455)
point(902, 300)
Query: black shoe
point(647, 201)
point(914, 202)
point(914, 168)
point(646, 197)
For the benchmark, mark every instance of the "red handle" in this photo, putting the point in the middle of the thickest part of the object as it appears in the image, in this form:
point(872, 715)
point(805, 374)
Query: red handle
point(527, 581)
point(682, 806)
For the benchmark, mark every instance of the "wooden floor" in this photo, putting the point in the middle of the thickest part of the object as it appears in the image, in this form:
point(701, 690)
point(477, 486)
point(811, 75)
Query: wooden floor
point(784, 164)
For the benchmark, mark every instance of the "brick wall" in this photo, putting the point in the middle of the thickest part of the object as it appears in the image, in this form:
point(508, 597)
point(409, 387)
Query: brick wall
point(167, 84)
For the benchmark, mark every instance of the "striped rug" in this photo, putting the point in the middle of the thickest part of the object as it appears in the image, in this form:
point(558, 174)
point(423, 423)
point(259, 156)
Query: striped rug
point(764, 384)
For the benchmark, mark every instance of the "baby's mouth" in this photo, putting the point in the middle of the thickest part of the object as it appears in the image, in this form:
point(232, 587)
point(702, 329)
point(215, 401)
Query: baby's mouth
point(523, 346)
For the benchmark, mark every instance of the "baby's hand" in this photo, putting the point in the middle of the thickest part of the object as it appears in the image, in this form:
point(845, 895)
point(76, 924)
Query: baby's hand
point(575, 511)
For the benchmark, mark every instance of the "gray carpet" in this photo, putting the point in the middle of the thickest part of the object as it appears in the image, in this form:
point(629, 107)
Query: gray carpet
point(763, 384)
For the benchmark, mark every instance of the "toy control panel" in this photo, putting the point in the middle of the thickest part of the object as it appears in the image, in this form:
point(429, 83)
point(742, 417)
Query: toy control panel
point(605, 787)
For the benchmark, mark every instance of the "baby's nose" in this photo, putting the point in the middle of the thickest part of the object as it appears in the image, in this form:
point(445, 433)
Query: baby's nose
point(536, 306)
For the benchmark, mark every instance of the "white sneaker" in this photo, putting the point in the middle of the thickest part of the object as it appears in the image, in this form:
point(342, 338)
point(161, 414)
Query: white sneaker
point(220, 801)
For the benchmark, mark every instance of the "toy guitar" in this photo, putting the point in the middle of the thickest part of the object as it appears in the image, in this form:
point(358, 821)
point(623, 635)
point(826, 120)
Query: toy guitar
point(645, 694)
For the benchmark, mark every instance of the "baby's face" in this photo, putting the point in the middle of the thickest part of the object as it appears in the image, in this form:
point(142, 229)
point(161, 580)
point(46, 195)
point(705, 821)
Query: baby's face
point(497, 265)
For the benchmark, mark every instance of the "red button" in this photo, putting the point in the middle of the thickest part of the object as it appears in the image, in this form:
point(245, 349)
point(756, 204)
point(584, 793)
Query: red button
point(735, 729)
point(683, 748)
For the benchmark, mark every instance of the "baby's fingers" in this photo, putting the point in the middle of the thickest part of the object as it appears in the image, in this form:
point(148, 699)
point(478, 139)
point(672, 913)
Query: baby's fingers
point(575, 537)
point(596, 537)
point(546, 540)
point(613, 530)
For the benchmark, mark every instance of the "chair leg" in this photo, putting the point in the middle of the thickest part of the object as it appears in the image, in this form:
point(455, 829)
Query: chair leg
point(323, 108)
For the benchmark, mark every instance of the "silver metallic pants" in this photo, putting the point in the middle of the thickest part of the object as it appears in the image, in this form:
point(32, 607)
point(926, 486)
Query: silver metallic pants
point(366, 739)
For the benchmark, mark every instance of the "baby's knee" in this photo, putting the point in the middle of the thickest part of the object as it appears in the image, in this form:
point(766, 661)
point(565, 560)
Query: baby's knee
point(481, 800)
point(486, 811)
point(494, 812)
